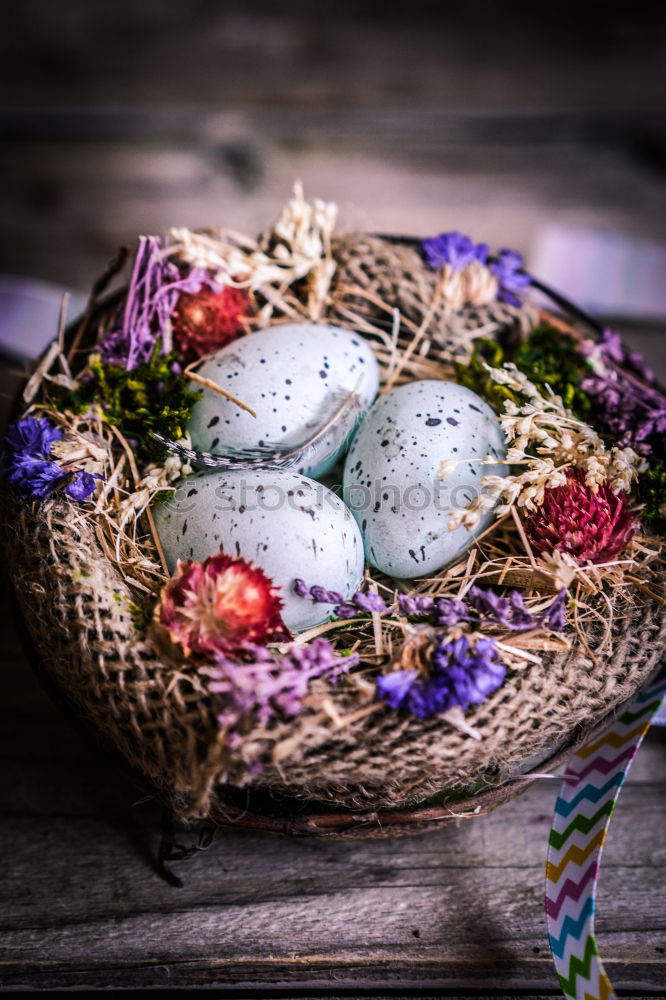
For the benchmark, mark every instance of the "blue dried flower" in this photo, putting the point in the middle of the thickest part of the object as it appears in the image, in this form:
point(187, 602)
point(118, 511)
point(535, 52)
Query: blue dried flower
point(395, 688)
point(82, 486)
point(30, 469)
point(462, 673)
point(454, 249)
point(508, 269)
point(34, 478)
point(32, 436)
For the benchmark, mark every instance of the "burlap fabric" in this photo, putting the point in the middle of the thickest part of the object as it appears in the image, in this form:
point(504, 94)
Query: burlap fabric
point(154, 708)
point(157, 714)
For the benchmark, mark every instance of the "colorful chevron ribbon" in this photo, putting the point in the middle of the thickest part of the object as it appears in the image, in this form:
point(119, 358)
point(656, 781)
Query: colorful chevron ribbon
point(590, 788)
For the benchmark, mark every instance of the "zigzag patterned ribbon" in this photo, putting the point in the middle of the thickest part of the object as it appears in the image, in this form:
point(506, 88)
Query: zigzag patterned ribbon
point(590, 788)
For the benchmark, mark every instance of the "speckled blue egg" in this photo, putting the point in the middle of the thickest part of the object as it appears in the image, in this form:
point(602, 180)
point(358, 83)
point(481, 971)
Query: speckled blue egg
point(281, 521)
point(293, 376)
point(391, 476)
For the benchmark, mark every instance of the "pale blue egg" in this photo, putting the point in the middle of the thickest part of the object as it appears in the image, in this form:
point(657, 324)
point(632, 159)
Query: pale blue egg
point(392, 482)
point(282, 521)
point(293, 376)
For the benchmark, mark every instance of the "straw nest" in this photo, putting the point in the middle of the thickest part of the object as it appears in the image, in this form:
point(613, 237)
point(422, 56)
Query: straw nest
point(87, 578)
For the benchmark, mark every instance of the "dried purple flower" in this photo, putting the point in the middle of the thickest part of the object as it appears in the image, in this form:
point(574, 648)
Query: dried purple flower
point(509, 610)
point(553, 616)
point(450, 611)
point(508, 269)
point(34, 478)
point(264, 684)
point(629, 406)
point(29, 467)
point(359, 601)
point(462, 673)
point(454, 249)
point(323, 596)
point(472, 670)
point(155, 286)
point(395, 687)
point(82, 486)
point(369, 602)
point(345, 610)
point(32, 436)
point(416, 604)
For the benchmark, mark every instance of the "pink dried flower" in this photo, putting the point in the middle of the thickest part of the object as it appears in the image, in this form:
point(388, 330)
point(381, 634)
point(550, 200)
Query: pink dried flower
point(591, 527)
point(220, 605)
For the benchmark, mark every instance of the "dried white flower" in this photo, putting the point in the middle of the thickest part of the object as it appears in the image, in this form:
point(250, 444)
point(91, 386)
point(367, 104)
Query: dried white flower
point(545, 426)
point(297, 247)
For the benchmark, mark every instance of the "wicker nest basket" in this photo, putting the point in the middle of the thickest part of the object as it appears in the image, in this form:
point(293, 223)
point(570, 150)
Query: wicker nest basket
point(379, 773)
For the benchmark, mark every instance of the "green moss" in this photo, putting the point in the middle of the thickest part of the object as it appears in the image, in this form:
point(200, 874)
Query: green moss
point(475, 377)
point(652, 490)
point(547, 356)
point(550, 357)
point(149, 398)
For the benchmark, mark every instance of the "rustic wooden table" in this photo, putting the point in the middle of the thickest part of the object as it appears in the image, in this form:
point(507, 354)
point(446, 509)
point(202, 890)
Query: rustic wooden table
point(455, 912)
point(131, 117)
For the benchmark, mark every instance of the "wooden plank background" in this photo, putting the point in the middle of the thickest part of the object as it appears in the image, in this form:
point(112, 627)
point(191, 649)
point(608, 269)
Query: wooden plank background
point(126, 117)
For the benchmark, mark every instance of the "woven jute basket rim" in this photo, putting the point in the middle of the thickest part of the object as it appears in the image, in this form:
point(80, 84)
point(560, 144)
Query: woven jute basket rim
point(371, 775)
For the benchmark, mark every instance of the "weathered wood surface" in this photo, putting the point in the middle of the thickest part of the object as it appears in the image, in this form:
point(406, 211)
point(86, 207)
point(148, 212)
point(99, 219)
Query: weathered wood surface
point(82, 906)
point(126, 117)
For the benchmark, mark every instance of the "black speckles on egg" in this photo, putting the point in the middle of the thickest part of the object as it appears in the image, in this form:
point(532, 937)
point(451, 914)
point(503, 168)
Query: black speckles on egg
point(263, 367)
point(435, 425)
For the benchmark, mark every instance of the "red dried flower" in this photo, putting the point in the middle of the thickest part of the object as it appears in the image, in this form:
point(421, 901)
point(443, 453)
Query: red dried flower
point(218, 605)
point(591, 527)
point(204, 321)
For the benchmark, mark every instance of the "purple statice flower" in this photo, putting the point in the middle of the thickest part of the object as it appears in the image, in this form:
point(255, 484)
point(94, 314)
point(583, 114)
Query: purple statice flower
point(416, 604)
point(508, 269)
point(322, 596)
point(34, 478)
point(29, 467)
point(509, 610)
point(620, 385)
point(553, 616)
point(454, 249)
point(395, 687)
point(345, 610)
point(32, 436)
point(490, 605)
point(611, 350)
point(450, 611)
point(264, 684)
point(82, 485)
point(154, 288)
point(369, 602)
point(473, 671)
point(462, 673)
point(359, 601)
